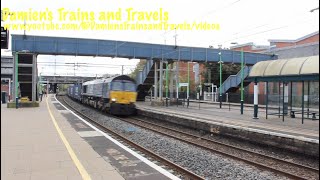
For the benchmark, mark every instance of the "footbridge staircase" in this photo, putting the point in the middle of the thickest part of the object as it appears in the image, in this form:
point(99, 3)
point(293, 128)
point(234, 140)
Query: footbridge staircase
point(233, 81)
point(145, 79)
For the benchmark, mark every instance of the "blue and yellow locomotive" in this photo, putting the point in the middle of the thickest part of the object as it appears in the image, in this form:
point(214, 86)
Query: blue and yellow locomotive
point(116, 95)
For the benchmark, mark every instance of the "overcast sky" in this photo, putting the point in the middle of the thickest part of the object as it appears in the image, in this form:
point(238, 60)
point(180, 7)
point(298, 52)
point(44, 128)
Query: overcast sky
point(241, 21)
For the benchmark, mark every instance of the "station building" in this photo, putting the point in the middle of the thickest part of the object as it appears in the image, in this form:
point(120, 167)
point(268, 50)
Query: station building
point(305, 46)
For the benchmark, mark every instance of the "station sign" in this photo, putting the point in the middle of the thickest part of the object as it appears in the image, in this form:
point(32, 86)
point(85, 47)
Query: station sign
point(208, 84)
point(4, 38)
point(183, 84)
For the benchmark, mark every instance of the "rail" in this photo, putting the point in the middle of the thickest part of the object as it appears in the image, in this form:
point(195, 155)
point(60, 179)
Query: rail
point(279, 166)
point(188, 174)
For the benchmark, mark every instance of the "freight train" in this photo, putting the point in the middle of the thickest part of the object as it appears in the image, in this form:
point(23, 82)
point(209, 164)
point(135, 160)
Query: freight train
point(115, 95)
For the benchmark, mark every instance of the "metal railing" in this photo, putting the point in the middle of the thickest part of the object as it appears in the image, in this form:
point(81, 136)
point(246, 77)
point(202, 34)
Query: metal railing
point(142, 75)
point(235, 80)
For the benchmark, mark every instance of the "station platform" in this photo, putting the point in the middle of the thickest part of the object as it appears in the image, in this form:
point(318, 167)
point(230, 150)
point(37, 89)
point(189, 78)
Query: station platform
point(49, 142)
point(228, 120)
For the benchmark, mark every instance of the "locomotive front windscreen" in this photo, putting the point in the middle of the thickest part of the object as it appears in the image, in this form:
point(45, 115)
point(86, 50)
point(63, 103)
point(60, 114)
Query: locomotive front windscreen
point(117, 86)
point(123, 86)
point(128, 86)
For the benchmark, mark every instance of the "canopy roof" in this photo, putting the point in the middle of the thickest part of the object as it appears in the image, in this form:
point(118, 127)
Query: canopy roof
point(294, 69)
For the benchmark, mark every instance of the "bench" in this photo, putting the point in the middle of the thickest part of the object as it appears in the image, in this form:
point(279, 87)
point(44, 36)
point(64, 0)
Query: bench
point(314, 115)
point(293, 112)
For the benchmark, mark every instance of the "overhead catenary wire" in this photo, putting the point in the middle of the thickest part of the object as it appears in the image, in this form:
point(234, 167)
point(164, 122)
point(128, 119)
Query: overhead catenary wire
point(269, 30)
point(269, 23)
point(256, 33)
point(265, 24)
point(86, 64)
point(244, 36)
point(163, 34)
point(88, 68)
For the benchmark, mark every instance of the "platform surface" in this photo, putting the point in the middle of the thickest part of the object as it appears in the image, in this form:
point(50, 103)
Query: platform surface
point(212, 113)
point(31, 148)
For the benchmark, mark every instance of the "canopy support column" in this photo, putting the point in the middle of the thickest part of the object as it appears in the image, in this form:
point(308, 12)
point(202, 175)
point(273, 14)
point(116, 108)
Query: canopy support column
point(267, 99)
point(255, 101)
point(302, 102)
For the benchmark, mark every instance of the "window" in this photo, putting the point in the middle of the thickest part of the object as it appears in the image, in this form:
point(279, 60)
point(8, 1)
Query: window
point(116, 86)
point(129, 87)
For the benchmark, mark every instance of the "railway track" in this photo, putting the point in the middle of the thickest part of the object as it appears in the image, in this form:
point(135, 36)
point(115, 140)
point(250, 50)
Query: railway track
point(289, 169)
point(186, 174)
point(265, 162)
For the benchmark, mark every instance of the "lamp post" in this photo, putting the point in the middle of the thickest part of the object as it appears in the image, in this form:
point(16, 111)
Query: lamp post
point(242, 78)
point(188, 90)
point(220, 72)
point(167, 79)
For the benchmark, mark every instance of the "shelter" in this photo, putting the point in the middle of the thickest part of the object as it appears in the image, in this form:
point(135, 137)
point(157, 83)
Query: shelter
point(285, 71)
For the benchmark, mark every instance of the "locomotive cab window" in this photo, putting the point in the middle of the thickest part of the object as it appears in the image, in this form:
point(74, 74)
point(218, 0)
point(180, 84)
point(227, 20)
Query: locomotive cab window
point(116, 86)
point(128, 86)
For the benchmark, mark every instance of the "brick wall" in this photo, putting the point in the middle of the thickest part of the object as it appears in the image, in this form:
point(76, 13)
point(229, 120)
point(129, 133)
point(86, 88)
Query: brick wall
point(311, 39)
point(283, 44)
point(183, 73)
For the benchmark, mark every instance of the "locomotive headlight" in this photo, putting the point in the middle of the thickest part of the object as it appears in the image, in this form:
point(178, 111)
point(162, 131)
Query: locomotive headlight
point(113, 100)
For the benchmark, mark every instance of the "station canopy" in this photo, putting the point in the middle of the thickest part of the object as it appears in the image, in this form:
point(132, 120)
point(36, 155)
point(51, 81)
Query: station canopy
point(294, 69)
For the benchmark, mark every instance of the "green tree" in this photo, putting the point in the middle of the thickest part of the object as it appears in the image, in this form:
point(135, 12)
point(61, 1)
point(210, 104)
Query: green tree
point(139, 66)
point(213, 71)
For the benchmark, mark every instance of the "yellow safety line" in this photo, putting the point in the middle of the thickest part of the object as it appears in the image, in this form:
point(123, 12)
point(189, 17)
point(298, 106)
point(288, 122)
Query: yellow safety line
point(75, 159)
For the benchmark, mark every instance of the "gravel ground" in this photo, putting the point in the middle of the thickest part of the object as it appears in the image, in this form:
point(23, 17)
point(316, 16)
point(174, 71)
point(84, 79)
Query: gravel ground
point(277, 153)
point(201, 162)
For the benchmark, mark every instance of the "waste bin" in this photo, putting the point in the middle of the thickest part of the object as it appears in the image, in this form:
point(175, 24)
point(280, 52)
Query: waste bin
point(4, 97)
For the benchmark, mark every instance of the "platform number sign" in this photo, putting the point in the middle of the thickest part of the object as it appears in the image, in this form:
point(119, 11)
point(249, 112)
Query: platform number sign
point(4, 38)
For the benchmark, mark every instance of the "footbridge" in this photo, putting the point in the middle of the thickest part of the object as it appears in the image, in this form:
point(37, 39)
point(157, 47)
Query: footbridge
point(26, 48)
point(67, 79)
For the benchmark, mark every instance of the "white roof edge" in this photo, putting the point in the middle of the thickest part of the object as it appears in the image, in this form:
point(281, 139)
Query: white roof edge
point(260, 47)
point(308, 35)
point(241, 45)
point(296, 40)
point(289, 47)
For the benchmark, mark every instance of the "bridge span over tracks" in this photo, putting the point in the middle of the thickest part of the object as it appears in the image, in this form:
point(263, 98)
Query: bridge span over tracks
point(25, 45)
point(125, 49)
point(67, 79)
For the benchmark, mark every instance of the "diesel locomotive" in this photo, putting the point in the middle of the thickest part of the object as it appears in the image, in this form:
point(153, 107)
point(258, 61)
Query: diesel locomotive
point(115, 95)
